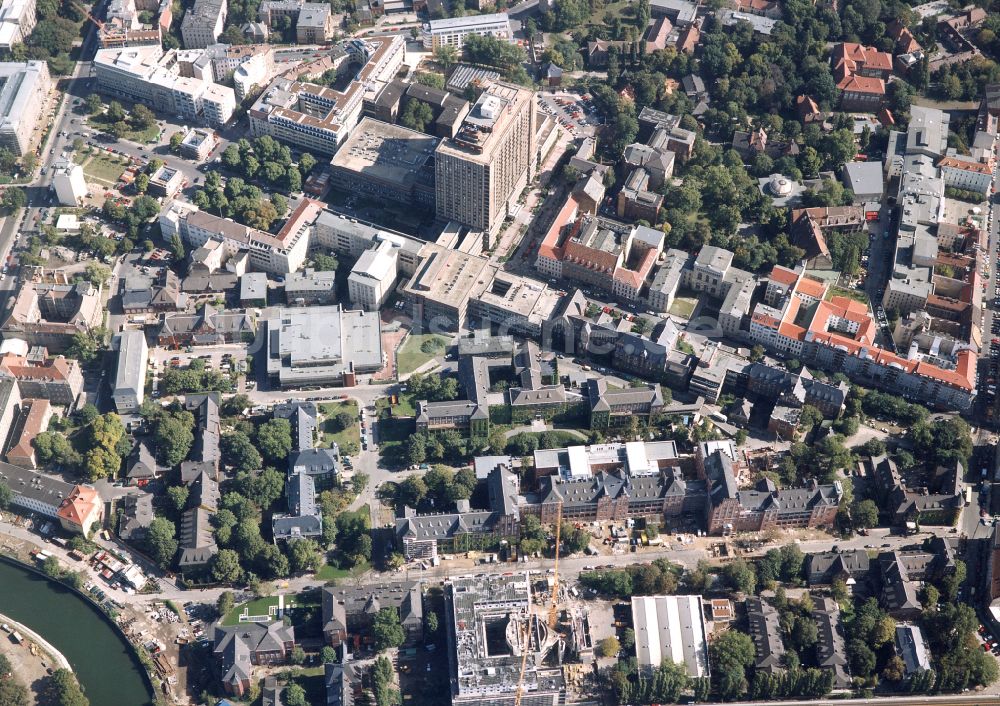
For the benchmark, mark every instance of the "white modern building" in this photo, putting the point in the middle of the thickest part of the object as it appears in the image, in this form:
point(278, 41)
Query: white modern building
point(17, 19)
point(148, 75)
point(69, 183)
point(670, 628)
point(130, 376)
point(454, 30)
point(23, 89)
point(322, 345)
point(373, 276)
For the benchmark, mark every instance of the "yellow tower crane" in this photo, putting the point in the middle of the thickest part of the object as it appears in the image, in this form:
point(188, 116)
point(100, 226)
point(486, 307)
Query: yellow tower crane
point(553, 608)
point(553, 612)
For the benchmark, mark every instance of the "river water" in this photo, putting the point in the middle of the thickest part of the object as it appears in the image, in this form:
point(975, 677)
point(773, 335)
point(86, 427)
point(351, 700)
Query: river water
point(100, 656)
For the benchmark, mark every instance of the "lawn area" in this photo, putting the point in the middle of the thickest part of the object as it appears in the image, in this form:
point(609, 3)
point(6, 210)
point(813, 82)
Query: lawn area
point(349, 438)
point(407, 407)
point(559, 437)
point(144, 137)
point(683, 307)
point(412, 354)
point(260, 606)
point(855, 294)
point(331, 573)
point(102, 168)
point(392, 436)
point(604, 13)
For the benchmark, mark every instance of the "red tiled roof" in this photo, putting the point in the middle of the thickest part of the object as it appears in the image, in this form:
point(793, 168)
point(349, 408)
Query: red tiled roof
point(783, 275)
point(862, 84)
point(965, 164)
point(811, 288)
point(78, 506)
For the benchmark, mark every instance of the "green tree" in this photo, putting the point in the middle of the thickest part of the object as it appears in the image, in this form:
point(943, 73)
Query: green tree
point(303, 555)
point(274, 439)
point(864, 514)
point(609, 647)
point(740, 576)
point(52, 568)
point(225, 604)
point(178, 497)
point(387, 630)
point(177, 247)
point(226, 566)
point(262, 488)
point(174, 437)
point(93, 103)
point(175, 143)
point(446, 55)
point(239, 451)
point(63, 689)
point(14, 198)
point(295, 695)
point(382, 683)
point(417, 115)
point(270, 562)
point(160, 541)
point(6, 495)
point(731, 654)
point(142, 117)
point(306, 163)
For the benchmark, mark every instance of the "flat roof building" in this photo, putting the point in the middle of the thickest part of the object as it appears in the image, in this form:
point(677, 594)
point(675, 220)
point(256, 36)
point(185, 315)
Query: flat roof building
point(148, 75)
point(453, 30)
point(203, 23)
point(311, 288)
point(483, 168)
point(865, 180)
point(670, 628)
point(17, 19)
point(385, 161)
point(319, 118)
point(23, 88)
point(492, 633)
point(130, 376)
point(322, 345)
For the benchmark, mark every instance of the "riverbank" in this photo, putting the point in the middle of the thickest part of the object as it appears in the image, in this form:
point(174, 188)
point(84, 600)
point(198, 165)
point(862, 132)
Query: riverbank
point(104, 661)
point(53, 654)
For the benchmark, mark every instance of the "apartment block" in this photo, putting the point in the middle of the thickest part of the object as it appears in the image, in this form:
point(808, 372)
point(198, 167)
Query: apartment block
point(318, 118)
point(964, 173)
point(322, 345)
point(23, 89)
point(58, 379)
point(497, 643)
point(373, 277)
point(278, 254)
point(838, 334)
point(453, 31)
point(148, 75)
point(316, 23)
point(384, 161)
point(17, 19)
point(483, 169)
point(48, 311)
point(69, 182)
point(203, 23)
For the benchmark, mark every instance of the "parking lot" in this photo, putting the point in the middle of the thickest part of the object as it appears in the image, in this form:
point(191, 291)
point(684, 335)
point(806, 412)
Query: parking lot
point(226, 358)
point(575, 113)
